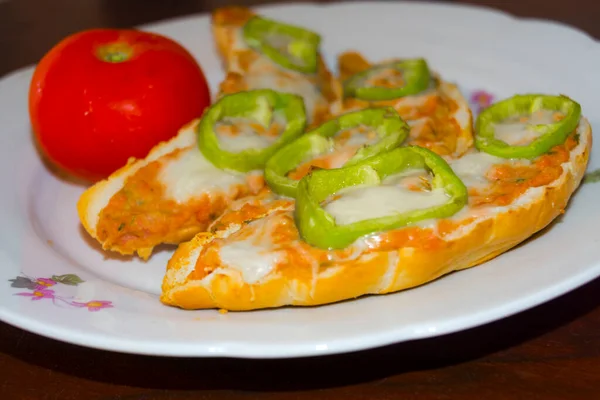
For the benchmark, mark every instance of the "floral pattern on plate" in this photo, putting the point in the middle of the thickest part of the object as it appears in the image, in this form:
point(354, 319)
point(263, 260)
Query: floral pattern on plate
point(44, 288)
point(480, 100)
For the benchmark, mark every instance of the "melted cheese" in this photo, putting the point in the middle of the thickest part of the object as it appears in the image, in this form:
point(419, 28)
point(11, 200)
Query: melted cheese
point(245, 140)
point(346, 143)
point(472, 168)
point(262, 74)
point(191, 174)
point(245, 136)
point(282, 44)
point(361, 135)
point(385, 77)
point(265, 74)
point(519, 131)
point(392, 197)
point(254, 257)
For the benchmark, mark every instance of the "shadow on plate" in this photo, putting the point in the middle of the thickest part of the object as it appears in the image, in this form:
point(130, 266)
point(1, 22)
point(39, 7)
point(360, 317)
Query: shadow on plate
point(58, 173)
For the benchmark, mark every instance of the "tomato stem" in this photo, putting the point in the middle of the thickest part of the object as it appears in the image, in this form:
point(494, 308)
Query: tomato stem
point(115, 52)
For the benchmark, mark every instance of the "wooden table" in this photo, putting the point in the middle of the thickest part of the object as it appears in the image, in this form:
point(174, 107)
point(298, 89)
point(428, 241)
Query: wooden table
point(549, 352)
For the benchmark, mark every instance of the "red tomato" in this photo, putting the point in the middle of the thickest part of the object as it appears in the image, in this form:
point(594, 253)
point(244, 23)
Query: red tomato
point(104, 95)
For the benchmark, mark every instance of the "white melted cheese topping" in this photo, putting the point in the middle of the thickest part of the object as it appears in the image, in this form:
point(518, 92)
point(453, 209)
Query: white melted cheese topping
point(263, 74)
point(385, 77)
point(345, 145)
point(391, 197)
point(473, 167)
point(237, 134)
point(266, 74)
point(519, 131)
point(282, 44)
point(191, 174)
point(361, 135)
point(254, 257)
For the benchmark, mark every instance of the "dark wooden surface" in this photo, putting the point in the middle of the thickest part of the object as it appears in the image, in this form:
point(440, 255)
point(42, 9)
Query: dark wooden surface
point(549, 352)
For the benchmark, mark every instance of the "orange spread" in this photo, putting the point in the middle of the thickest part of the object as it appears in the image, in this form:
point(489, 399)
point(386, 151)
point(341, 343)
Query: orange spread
point(139, 216)
point(509, 182)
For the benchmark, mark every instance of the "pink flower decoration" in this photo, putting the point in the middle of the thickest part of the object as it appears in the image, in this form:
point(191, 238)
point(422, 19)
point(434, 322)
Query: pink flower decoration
point(38, 294)
point(94, 305)
point(43, 283)
point(482, 99)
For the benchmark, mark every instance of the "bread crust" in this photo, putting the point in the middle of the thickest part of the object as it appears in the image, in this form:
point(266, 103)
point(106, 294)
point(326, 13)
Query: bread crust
point(381, 272)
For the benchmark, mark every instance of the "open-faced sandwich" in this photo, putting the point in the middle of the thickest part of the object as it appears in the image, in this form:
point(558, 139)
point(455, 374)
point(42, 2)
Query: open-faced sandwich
point(436, 110)
point(267, 99)
point(396, 220)
point(260, 53)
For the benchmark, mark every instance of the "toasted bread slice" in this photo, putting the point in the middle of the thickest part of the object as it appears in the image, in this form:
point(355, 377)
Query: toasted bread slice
point(247, 69)
point(167, 197)
point(440, 116)
point(254, 257)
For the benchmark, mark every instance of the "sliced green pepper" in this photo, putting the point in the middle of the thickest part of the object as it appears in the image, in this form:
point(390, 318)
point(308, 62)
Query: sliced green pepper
point(551, 135)
point(415, 75)
point(259, 105)
point(389, 127)
point(318, 228)
point(289, 46)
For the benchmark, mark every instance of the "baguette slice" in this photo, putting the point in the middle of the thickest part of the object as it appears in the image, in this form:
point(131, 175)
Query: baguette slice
point(167, 197)
point(440, 116)
point(253, 258)
point(247, 69)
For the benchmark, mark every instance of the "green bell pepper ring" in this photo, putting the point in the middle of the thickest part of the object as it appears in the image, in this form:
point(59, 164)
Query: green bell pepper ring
point(415, 74)
point(318, 228)
point(287, 45)
point(390, 128)
point(258, 105)
point(551, 135)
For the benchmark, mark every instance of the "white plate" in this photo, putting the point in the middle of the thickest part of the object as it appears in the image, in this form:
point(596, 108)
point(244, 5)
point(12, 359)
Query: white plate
point(40, 234)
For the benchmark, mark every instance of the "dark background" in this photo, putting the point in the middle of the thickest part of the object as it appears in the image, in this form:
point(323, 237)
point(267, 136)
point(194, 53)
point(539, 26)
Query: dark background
point(549, 352)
